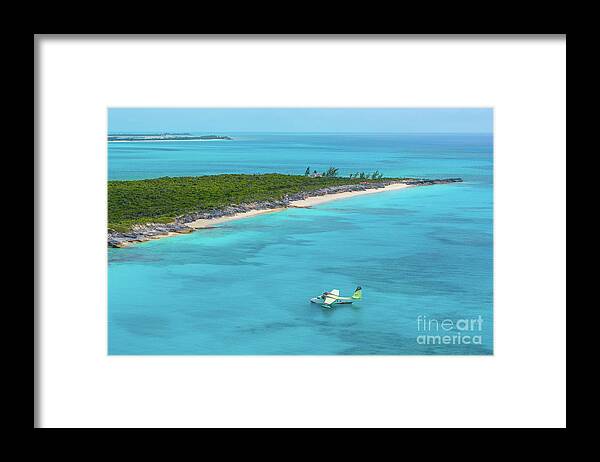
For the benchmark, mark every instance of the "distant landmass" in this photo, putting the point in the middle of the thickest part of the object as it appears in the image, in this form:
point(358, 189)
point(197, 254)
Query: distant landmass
point(164, 136)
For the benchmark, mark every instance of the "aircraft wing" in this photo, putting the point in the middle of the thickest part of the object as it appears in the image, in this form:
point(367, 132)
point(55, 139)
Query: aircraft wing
point(331, 297)
point(329, 300)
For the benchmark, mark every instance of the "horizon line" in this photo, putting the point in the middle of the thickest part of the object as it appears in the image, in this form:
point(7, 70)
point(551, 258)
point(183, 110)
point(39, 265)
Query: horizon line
point(159, 132)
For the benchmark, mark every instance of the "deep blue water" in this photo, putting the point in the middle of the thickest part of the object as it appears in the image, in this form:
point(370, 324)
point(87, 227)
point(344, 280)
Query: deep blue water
point(420, 254)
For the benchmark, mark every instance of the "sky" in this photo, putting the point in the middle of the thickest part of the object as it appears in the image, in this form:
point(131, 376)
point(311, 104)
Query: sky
point(224, 120)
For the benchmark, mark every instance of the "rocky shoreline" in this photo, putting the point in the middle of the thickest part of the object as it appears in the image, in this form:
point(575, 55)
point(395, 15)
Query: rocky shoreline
point(148, 231)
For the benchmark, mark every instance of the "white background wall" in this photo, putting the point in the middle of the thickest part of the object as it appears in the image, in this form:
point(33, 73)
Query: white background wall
point(523, 384)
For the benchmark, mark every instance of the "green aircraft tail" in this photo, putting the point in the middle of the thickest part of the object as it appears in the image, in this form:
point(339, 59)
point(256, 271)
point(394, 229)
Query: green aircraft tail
point(357, 295)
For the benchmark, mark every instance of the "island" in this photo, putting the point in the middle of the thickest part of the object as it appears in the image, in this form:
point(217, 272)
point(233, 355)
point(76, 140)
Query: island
point(140, 210)
point(164, 137)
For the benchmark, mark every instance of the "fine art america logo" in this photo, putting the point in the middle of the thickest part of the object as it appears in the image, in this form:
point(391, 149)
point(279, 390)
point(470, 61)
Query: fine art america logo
point(447, 331)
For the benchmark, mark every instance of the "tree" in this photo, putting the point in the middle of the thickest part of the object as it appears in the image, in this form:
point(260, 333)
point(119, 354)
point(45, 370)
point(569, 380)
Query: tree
point(331, 172)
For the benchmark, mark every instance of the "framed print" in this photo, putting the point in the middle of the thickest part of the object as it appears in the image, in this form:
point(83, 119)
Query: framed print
point(300, 231)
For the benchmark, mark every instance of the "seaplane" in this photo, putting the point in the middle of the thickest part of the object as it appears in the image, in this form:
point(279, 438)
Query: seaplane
point(333, 298)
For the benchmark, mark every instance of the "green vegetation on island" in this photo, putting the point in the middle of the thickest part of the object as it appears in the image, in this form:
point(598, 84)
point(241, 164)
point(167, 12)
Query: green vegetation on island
point(160, 200)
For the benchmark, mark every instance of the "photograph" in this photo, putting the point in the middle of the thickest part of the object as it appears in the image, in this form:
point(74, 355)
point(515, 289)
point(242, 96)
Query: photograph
point(300, 231)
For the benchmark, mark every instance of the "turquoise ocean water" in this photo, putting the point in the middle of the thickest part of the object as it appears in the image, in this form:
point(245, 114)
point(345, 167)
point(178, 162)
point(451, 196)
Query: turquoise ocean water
point(422, 255)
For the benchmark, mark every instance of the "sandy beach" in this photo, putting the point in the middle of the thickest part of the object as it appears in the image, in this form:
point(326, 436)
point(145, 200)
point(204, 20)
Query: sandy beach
point(315, 200)
point(209, 223)
point(304, 203)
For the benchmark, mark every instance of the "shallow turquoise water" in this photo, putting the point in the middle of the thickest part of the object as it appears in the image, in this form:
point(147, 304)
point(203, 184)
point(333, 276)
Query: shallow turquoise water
point(243, 288)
